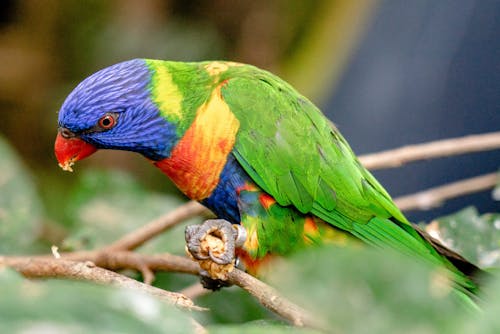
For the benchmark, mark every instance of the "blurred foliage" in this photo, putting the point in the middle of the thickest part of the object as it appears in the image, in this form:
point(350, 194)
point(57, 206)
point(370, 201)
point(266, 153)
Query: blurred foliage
point(359, 290)
point(366, 290)
point(353, 290)
point(76, 307)
point(474, 236)
point(47, 47)
point(105, 204)
point(20, 208)
point(233, 306)
point(259, 327)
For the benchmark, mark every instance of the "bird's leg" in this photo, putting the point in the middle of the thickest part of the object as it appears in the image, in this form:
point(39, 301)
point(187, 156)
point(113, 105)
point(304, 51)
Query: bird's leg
point(212, 244)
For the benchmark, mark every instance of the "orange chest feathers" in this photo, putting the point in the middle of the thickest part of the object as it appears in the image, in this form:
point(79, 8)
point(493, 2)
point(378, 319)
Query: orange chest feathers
point(198, 159)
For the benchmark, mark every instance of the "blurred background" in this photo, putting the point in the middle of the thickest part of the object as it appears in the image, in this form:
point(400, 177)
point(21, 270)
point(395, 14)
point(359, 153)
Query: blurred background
point(388, 73)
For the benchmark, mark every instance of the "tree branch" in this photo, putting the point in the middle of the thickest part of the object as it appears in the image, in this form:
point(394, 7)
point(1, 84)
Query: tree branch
point(93, 266)
point(265, 294)
point(45, 267)
point(434, 197)
point(435, 149)
point(194, 291)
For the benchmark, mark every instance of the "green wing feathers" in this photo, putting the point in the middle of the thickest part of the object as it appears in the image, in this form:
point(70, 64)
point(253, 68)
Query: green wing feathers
point(300, 159)
point(296, 155)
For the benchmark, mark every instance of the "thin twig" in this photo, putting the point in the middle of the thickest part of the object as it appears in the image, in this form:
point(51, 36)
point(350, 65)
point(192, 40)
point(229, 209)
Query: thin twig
point(33, 267)
point(430, 150)
point(148, 277)
point(194, 291)
point(138, 237)
point(434, 197)
point(157, 262)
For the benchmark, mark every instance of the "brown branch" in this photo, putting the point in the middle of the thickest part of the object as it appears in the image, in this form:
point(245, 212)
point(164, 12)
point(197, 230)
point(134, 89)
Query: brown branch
point(266, 295)
point(194, 291)
point(90, 266)
point(117, 260)
point(147, 274)
point(435, 149)
point(45, 267)
point(158, 262)
point(434, 197)
point(138, 237)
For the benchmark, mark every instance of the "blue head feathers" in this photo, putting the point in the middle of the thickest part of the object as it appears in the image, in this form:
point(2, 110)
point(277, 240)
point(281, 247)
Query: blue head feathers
point(121, 91)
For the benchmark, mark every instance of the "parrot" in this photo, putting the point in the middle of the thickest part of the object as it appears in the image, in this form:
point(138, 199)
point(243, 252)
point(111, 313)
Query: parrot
point(253, 150)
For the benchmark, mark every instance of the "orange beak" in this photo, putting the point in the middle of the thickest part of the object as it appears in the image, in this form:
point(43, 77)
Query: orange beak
point(70, 150)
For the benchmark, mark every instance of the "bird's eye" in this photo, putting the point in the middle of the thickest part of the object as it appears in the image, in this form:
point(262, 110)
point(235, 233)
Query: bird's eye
point(107, 122)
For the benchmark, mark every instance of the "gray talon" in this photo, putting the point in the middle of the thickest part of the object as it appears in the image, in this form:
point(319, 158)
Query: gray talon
point(193, 242)
point(232, 235)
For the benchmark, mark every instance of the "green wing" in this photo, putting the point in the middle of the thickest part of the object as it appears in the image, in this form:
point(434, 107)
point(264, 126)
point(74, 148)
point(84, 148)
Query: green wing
point(296, 155)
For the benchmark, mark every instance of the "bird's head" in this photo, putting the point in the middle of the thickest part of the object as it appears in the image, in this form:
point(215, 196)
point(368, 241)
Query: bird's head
point(112, 109)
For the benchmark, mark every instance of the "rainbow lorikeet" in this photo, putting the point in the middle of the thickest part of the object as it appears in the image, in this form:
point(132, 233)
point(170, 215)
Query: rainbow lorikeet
point(248, 146)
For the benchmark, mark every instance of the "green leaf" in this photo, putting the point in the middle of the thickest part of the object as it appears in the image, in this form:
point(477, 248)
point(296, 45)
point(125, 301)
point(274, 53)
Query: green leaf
point(233, 305)
point(259, 327)
point(105, 205)
point(367, 290)
point(474, 236)
point(488, 321)
point(20, 209)
point(57, 306)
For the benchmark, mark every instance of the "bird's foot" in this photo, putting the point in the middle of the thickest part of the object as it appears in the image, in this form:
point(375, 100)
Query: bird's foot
point(212, 244)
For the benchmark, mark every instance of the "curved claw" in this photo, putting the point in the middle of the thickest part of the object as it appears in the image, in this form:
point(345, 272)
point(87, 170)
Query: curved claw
point(198, 256)
point(193, 242)
point(231, 235)
point(225, 258)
